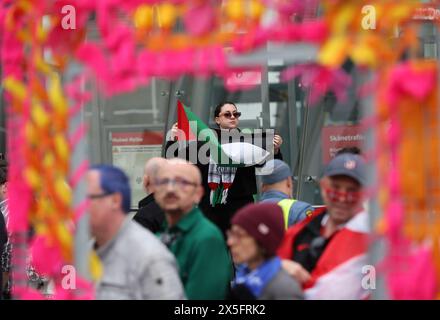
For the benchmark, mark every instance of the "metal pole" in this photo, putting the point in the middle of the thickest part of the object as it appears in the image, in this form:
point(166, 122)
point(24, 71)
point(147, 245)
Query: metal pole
point(377, 250)
point(79, 154)
point(292, 123)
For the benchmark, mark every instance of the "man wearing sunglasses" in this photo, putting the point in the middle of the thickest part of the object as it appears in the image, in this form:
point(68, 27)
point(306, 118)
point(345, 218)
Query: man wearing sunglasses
point(326, 251)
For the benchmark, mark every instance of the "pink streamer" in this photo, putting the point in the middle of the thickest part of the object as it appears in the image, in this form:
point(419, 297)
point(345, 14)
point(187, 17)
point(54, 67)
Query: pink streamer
point(29, 294)
point(414, 277)
point(320, 80)
point(20, 198)
point(219, 60)
point(405, 80)
point(61, 40)
point(46, 257)
point(146, 62)
point(200, 18)
point(394, 218)
point(75, 92)
point(77, 135)
point(105, 11)
point(79, 173)
point(80, 210)
point(314, 31)
point(91, 55)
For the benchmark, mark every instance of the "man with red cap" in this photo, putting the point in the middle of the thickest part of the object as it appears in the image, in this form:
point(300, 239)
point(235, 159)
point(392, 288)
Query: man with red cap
point(326, 252)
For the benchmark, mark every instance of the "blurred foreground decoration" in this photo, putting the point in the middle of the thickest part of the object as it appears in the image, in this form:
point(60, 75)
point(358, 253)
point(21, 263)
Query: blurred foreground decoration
point(409, 164)
point(141, 39)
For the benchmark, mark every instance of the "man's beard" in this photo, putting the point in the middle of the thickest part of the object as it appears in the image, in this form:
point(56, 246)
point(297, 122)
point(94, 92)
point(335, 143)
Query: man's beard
point(173, 211)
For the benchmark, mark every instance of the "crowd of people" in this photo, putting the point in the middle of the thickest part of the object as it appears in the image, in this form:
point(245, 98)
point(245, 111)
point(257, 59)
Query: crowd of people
point(181, 245)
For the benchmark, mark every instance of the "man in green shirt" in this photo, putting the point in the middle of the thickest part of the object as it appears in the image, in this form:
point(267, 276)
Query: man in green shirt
point(204, 263)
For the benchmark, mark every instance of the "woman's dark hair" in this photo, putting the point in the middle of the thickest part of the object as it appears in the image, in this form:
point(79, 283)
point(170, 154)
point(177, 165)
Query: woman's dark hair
point(218, 108)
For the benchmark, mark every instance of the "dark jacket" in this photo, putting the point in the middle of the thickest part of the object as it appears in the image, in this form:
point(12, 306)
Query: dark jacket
point(149, 215)
point(240, 193)
point(205, 266)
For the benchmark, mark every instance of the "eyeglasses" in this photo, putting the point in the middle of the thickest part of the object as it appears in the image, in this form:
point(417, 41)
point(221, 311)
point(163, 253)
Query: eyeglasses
point(348, 196)
point(178, 182)
point(229, 115)
point(99, 196)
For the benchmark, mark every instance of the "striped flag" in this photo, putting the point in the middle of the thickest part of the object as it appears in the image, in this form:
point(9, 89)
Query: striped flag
point(228, 154)
point(183, 123)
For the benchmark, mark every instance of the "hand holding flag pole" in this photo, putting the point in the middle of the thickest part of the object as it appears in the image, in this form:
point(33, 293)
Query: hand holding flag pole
point(238, 154)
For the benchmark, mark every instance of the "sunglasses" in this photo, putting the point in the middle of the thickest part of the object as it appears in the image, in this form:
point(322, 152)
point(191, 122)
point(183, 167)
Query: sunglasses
point(229, 115)
point(348, 196)
point(99, 196)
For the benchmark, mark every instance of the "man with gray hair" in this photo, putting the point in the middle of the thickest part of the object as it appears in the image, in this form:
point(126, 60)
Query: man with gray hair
point(278, 187)
point(150, 215)
point(204, 263)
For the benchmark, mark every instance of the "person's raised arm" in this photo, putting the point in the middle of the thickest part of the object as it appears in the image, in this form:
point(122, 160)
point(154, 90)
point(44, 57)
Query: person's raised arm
point(277, 142)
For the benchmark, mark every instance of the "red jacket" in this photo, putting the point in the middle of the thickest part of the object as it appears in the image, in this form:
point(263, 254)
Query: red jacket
point(348, 243)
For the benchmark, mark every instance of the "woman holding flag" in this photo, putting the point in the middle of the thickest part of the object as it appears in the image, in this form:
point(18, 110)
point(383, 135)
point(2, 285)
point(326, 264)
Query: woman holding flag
point(227, 187)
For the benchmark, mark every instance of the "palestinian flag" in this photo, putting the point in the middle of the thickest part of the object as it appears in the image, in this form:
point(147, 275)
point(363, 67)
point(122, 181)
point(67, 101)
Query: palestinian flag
point(236, 150)
point(183, 123)
point(236, 153)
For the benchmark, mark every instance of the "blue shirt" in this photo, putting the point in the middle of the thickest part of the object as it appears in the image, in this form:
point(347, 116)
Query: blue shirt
point(299, 210)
